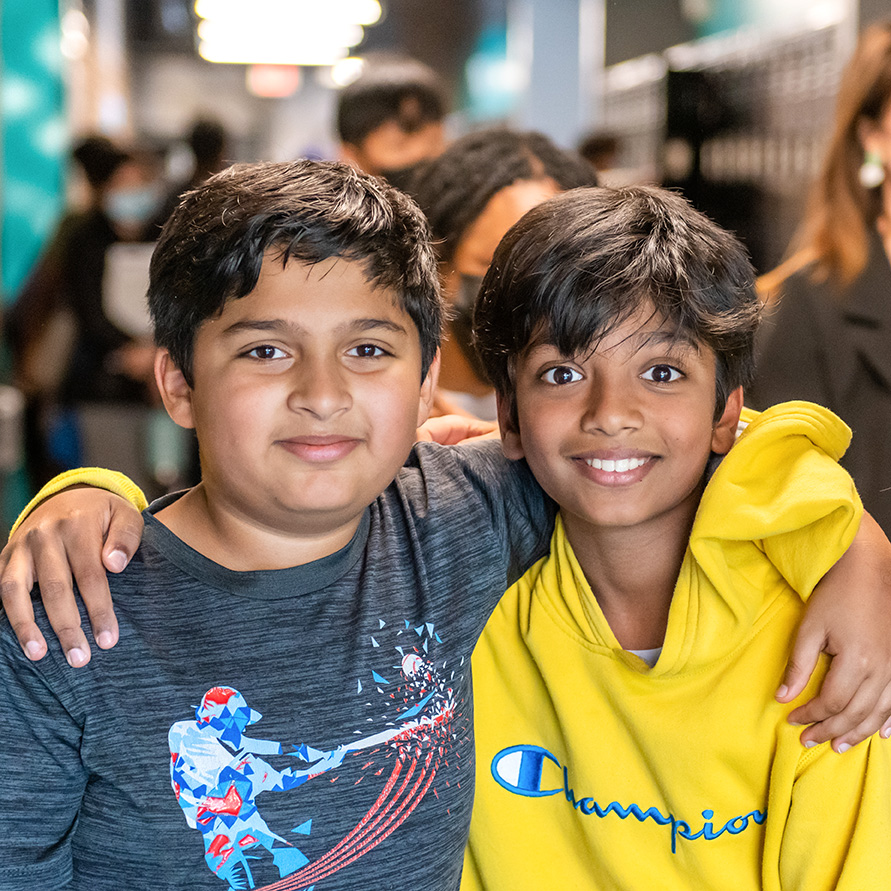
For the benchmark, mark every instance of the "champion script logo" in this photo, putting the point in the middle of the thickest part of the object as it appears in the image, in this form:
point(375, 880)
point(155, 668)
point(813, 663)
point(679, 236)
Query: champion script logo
point(520, 770)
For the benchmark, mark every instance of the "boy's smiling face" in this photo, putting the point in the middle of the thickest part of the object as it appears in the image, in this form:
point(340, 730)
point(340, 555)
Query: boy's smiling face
point(620, 436)
point(307, 393)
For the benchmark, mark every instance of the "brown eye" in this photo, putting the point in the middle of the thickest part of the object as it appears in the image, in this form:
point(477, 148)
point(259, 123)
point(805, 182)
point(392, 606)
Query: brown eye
point(562, 374)
point(368, 351)
point(663, 374)
point(266, 352)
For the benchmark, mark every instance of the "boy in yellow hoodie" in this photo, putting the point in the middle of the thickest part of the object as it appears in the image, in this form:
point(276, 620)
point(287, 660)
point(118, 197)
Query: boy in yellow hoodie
point(617, 328)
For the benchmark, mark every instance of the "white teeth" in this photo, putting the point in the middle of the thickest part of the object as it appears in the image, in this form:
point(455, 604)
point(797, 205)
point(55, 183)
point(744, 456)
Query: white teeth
point(621, 466)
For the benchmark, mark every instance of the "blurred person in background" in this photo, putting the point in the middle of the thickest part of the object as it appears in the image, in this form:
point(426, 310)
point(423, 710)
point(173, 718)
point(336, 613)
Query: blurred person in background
point(209, 143)
point(106, 363)
point(828, 337)
point(65, 348)
point(392, 117)
point(57, 330)
point(472, 194)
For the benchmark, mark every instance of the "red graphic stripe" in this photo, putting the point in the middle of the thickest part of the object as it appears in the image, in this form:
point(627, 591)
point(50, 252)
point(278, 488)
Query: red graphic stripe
point(382, 819)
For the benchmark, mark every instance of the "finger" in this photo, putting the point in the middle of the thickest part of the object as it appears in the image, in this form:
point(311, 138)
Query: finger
point(53, 570)
point(802, 661)
point(885, 732)
point(16, 582)
point(846, 679)
point(123, 537)
point(863, 716)
point(89, 568)
point(453, 429)
point(92, 585)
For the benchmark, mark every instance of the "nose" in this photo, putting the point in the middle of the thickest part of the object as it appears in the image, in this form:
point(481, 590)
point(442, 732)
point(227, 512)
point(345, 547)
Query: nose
point(612, 409)
point(319, 388)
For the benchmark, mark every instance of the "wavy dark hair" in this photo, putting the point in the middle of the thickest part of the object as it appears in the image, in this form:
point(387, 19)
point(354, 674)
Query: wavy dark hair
point(390, 88)
point(582, 263)
point(211, 249)
point(454, 189)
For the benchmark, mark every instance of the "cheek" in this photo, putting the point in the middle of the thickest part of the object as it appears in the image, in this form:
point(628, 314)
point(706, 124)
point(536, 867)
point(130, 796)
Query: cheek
point(540, 440)
point(391, 409)
point(234, 410)
point(690, 429)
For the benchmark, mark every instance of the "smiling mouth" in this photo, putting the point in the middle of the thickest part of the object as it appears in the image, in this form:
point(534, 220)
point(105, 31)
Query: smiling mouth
point(622, 465)
point(320, 449)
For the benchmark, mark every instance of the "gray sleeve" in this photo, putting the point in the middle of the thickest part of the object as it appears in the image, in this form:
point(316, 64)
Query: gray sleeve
point(487, 491)
point(44, 779)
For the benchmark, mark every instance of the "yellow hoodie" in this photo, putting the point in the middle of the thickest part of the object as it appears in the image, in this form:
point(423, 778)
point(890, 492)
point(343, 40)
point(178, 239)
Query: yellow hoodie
point(596, 771)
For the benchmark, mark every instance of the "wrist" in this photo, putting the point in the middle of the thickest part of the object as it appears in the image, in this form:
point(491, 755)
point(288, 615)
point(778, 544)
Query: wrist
point(94, 477)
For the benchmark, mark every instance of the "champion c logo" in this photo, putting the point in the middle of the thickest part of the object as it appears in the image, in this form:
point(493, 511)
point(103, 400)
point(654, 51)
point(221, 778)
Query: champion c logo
point(519, 769)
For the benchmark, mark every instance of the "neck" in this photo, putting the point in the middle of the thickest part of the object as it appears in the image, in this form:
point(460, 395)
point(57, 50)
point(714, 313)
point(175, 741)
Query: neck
point(632, 573)
point(237, 542)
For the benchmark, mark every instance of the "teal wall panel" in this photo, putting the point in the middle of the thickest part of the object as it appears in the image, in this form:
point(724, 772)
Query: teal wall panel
point(34, 133)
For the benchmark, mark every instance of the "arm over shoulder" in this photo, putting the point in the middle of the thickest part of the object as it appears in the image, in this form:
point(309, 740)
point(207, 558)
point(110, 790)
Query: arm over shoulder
point(790, 495)
point(99, 478)
point(508, 501)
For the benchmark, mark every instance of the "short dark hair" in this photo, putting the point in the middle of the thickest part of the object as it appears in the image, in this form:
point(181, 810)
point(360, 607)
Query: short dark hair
point(212, 248)
point(207, 140)
point(454, 188)
point(390, 89)
point(583, 262)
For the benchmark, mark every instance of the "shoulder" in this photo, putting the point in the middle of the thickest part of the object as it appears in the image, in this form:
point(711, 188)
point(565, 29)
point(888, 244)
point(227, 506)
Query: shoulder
point(466, 470)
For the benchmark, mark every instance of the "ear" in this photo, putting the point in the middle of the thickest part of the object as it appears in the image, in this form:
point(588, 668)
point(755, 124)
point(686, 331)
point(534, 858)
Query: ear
point(724, 433)
point(511, 441)
point(175, 391)
point(428, 390)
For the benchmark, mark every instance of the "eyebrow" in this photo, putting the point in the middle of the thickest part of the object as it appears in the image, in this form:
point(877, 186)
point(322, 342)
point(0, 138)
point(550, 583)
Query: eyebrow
point(638, 339)
point(663, 337)
point(281, 326)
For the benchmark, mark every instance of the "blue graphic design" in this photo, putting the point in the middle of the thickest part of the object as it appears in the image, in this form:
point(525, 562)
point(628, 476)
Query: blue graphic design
point(217, 771)
point(520, 770)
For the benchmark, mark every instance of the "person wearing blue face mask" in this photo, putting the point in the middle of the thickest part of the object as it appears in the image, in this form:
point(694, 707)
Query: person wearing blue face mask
point(95, 361)
point(104, 366)
point(471, 195)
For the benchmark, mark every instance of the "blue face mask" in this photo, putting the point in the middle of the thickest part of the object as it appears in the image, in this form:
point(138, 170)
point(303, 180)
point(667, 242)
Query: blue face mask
point(132, 207)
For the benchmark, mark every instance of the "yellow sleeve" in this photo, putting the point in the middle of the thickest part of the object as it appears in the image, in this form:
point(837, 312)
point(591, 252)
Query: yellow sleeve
point(781, 487)
point(110, 480)
point(828, 817)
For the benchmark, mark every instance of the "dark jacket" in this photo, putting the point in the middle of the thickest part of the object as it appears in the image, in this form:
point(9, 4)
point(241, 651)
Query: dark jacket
point(834, 348)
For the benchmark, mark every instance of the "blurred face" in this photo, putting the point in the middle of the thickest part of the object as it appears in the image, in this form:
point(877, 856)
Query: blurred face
point(620, 437)
point(475, 249)
point(131, 197)
point(306, 396)
point(389, 147)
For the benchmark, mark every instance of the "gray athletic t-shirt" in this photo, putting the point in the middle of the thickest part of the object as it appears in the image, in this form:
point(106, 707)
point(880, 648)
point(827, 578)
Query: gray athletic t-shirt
point(292, 729)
